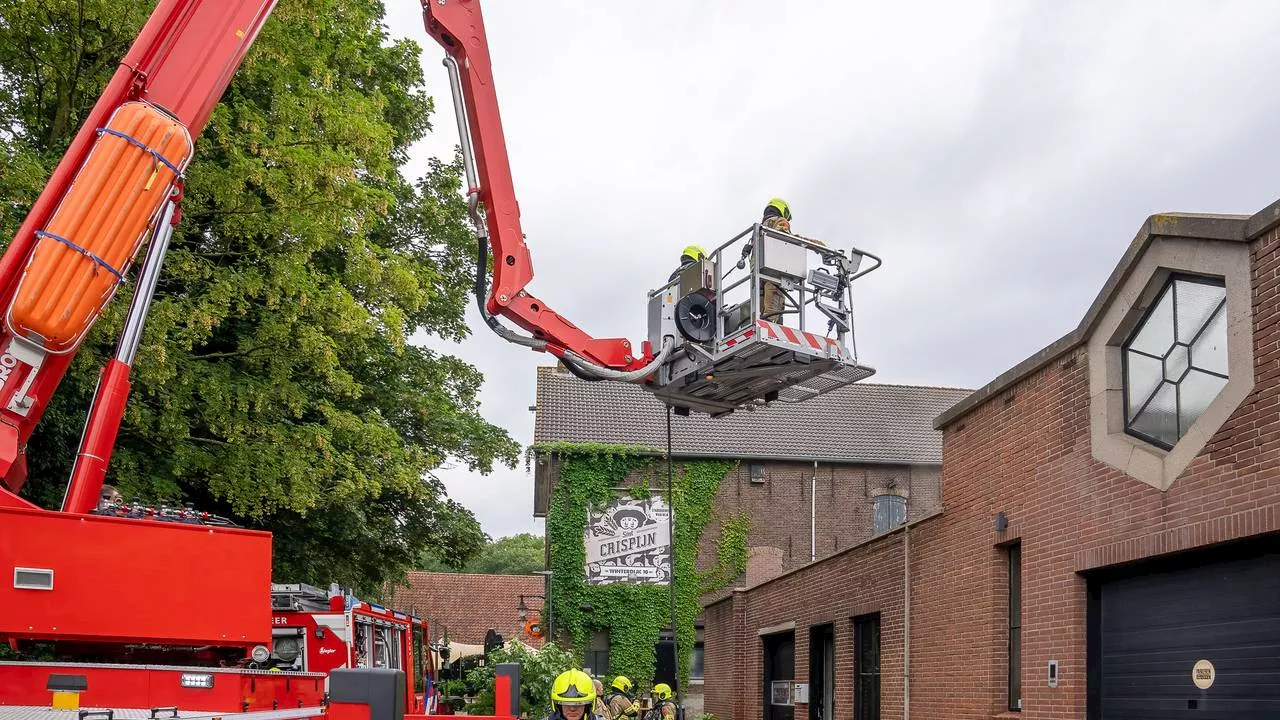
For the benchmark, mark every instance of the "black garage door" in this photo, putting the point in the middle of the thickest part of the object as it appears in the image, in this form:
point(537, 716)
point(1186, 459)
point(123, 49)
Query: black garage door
point(1159, 634)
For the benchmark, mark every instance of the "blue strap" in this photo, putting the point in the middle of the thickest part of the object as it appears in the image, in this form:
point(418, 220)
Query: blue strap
point(142, 147)
point(82, 251)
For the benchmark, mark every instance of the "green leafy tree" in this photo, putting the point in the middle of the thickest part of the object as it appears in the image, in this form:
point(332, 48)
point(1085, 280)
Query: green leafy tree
point(521, 554)
point(538, 669)
point(275, 383)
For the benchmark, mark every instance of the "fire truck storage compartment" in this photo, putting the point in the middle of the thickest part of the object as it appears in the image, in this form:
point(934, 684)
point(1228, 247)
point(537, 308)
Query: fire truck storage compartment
point(156, 686)
point(84, 577)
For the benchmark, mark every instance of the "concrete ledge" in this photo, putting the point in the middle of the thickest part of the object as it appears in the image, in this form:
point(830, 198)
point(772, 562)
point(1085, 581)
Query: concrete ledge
point(1263, 221)
point(775, 629)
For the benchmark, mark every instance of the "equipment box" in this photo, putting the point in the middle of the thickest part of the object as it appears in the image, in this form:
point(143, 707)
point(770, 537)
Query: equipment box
point(783, 258)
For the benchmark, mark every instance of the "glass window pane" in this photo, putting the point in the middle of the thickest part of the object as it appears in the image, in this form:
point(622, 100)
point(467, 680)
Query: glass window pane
point(1210, 351)
point(1163, 399)
point(695, 662)
point(889, 511)
point(1176, 364)
point(1155, 335)
point(1196, 391)
point(1195, 303)
point(1159, 420)
point(1142, 375)
point(1015, 670)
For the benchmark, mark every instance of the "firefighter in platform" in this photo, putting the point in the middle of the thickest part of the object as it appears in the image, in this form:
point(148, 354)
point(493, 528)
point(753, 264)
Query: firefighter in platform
point(689, 256)
point(777, 216)
point(621, 703)
point(664, 708)
point(572, 696)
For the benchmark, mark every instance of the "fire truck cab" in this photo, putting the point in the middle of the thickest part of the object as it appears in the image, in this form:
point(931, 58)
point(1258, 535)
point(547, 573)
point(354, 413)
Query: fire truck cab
point(317, 631)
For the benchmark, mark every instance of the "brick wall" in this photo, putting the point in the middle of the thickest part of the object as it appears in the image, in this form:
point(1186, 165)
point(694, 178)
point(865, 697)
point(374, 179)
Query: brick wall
point(856, 582)
point(781, 506)
point(1026, 453)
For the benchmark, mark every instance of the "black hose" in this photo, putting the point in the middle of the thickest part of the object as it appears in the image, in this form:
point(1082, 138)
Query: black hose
point(482, 264)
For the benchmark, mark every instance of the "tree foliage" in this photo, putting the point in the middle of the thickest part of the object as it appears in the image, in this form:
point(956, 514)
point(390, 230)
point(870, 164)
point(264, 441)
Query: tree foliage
point(521, 554)
point(276, 382)
point(538, 669)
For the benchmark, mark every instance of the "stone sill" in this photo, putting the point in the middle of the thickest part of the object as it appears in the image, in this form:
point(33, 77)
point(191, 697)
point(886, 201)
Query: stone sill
point(1008, 715)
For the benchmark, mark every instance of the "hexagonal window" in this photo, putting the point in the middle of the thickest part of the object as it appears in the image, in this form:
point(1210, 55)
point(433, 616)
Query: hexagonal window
point(1175, 362)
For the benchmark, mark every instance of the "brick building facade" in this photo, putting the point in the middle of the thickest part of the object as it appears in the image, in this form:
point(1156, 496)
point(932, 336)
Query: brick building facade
point(465, 606)
point(1107, 544)
point(814, 479)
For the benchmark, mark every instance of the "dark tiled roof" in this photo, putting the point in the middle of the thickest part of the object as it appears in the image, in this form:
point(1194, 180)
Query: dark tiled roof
point(468, 605)
point(863, 422)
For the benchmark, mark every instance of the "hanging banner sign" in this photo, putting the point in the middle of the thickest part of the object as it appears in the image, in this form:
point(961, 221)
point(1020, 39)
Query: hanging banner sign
point(628, 541)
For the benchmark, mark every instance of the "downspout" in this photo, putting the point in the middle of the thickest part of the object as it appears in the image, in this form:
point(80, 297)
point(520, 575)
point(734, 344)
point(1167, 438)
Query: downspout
point(813, 513)
point(906, 607)
point(906, 622)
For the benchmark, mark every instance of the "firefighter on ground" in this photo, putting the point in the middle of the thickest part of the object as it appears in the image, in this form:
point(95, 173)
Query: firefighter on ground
point(688, 256)
point(621, 702)
point(598, 708)
point(664, 708)
point(572, 695)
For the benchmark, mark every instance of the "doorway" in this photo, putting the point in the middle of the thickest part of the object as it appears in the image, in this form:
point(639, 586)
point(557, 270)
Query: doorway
point(822, 672)
point(779, 675)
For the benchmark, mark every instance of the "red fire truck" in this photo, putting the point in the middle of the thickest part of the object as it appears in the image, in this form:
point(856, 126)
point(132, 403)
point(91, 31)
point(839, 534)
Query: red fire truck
point(317, 631)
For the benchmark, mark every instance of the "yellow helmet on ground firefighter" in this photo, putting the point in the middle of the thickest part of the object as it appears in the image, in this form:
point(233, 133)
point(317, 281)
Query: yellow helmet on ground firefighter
point(572, 694)
point(622, 684)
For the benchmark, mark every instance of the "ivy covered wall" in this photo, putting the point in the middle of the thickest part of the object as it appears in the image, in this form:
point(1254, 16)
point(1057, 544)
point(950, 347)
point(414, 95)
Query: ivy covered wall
point(634, 615)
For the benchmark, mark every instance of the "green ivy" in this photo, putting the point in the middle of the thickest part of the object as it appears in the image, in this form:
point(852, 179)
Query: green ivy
point(731, 553)
point(634, 615)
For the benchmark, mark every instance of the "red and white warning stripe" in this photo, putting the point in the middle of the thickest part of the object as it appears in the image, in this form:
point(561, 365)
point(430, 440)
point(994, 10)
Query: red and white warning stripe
point(799, 338)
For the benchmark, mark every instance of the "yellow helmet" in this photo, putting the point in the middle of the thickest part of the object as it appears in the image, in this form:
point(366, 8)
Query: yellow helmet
point(781, 206)
point(694, 252)
point(662, 691)
point(573, 687)
point(622, 684)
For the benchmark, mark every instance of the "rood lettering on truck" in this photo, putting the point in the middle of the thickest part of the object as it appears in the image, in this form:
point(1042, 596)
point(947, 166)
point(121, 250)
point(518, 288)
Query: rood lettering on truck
point(7, 363)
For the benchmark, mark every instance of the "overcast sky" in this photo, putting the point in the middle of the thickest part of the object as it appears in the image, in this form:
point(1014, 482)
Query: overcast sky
point(1000, 156)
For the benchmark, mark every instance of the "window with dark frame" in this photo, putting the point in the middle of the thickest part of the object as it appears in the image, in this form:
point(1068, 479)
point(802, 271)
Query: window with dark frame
point(695, 662)
point(1175, 361)
point(866, 700)
point(1015, 627)
point(696, 655)
point(757, 472)
point(597, 655)
point(889, 511)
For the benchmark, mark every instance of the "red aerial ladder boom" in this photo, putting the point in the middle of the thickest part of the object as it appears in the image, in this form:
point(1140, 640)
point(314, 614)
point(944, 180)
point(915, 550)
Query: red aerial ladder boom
point(180, 64)
point(120, 184)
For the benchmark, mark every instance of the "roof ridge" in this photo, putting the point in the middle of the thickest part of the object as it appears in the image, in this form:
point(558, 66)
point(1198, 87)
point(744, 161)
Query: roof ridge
point(464, 574)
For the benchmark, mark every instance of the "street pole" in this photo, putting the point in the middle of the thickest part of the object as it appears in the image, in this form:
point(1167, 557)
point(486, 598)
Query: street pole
point(546, 604)
point(671, 581)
